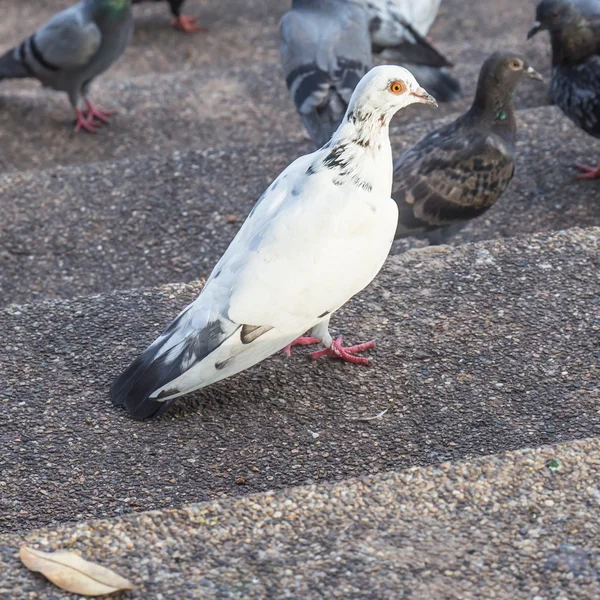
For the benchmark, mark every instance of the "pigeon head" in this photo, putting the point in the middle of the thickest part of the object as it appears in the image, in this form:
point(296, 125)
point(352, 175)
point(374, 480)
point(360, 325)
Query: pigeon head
point(553, 15)
point(503, 71)
point(382, 92)
point(499, 76)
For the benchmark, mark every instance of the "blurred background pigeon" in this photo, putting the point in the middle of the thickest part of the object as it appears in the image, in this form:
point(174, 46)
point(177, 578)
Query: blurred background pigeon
point(186, 23)
point(575, 85)
point(325, 50)
point(71, 50)
point(398, 29)
point(588, 8)
point(459, 171)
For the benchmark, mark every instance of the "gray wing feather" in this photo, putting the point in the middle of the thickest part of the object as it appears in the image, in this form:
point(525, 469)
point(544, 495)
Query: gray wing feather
point(324, 55)
point(449, 178)
point(69, 39)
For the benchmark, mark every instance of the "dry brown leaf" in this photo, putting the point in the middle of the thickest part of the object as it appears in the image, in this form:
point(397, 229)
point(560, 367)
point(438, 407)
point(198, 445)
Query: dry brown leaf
point(72, 573)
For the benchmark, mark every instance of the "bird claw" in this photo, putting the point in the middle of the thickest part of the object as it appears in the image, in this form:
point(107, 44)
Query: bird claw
point(187, 24)
point(95, 114)
point(347, 354)
point(82, 123)
point(588, 172)
point(301, 341)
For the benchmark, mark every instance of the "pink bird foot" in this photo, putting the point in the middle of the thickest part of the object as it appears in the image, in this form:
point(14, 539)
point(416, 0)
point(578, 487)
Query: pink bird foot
point(187, 24)
point(588, 172)
point(94, 113)
point(337, 351)
point(301, 341)
point(82, 123)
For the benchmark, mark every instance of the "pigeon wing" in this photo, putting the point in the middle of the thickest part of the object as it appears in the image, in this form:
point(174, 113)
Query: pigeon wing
point(323, 59)
point(450, 177)
point(303, 251)
point(69, 40)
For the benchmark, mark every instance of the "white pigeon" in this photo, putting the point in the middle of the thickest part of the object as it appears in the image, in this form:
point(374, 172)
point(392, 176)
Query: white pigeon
point(317, 236)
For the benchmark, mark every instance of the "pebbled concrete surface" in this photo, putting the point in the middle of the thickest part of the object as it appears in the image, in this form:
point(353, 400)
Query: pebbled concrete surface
point(481, 348)
point(160, 219)
point(518, 526)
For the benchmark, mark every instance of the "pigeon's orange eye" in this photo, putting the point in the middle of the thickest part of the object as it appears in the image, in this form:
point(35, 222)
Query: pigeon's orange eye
point(397, 87)
point(515, 65)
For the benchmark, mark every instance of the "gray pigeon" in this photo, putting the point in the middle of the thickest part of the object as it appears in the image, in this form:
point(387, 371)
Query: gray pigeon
point(397, 30)
point(71, 50)
point(575, 85)
point(186, 23)
point(325, 50)
point(459, 171)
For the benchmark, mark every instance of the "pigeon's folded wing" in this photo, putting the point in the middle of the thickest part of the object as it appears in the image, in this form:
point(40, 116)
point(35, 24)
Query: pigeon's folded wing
point(444, 180)
point(303, 251)
point(67, 41)
point(318, 53)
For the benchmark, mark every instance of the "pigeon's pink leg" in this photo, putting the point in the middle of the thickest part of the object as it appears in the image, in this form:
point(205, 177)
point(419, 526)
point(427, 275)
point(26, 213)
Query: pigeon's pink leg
point(83, 123)
point(337, 351)
point(301, 341)
point(588, 172)
point(187, 24)
point(96, 113)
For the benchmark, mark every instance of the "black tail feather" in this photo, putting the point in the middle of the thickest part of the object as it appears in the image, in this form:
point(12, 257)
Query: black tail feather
point(132, 389)
point(181, 346)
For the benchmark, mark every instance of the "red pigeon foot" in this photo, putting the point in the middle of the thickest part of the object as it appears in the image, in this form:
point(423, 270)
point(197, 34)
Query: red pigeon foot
point(301, 341)
point(337, 351)
point(187, 24)
point(94, 113)
point(588, 172)
point(82, 122)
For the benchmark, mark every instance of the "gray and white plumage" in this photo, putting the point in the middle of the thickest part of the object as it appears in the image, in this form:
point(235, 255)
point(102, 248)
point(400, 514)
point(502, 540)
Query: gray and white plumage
point(398, 29)
point(317, 236)
point(73, 47)
point(459, 171)
point(325, 50)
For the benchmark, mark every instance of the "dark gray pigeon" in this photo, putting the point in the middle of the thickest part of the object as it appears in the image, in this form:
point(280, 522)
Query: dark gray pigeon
point(325, 50)
point(71, 50)
point(184, 22)
point(459, 171)
point(398, 29)
point(575, 86)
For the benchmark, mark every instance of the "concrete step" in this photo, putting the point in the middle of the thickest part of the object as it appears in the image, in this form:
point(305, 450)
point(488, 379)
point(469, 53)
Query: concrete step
point(143, 222)
point(481, 348)
point(515, 526)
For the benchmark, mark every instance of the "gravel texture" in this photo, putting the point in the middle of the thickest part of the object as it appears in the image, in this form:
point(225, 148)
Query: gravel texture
point(160, 219)
point(480, 349)
point(519, 526)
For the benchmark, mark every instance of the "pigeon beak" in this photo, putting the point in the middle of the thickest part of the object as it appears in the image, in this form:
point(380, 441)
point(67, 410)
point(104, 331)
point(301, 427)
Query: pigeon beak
point(535, 28)
point(422, 96)
point(533, 74)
